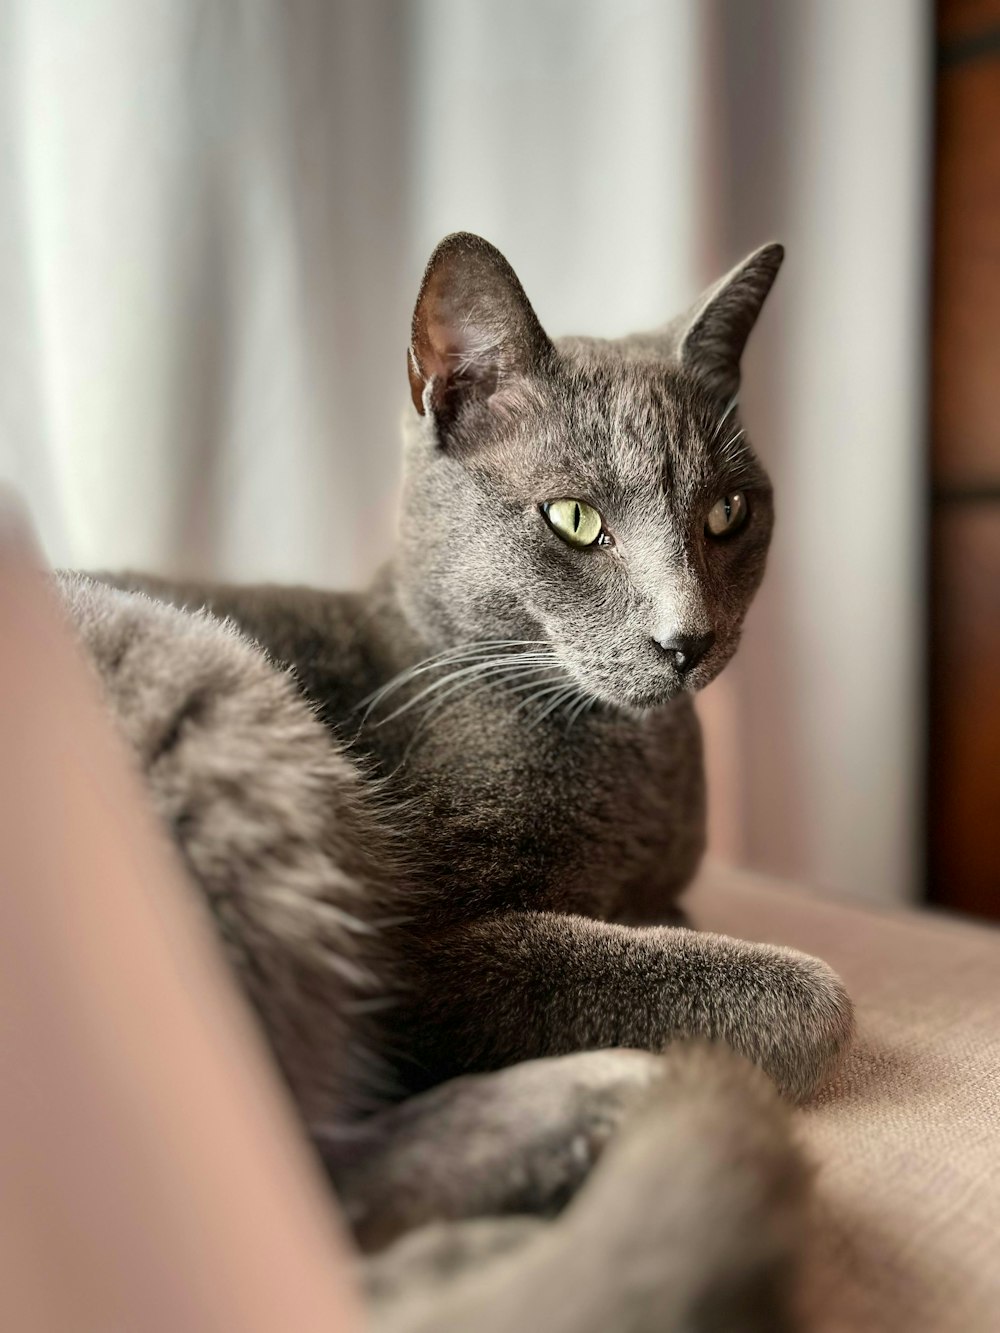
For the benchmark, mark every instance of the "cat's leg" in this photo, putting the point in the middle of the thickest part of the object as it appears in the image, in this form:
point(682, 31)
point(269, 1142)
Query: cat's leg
point(690, 1223)
point(520, 1140)
point(513, 987)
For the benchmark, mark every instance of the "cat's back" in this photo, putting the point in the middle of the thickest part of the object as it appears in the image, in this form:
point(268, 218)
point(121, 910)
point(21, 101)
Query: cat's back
point(326, 637)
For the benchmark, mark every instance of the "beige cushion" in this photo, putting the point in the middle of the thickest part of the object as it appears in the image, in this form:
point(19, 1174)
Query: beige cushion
point(907, 1139)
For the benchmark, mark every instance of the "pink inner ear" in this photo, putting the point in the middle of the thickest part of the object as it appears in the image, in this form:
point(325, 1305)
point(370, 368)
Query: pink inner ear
point(460, 345)
point(472, 325)
point(417, 381)
point(445, 349)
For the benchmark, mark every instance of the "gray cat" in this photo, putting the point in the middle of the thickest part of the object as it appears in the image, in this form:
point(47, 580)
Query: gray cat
point(451, 886)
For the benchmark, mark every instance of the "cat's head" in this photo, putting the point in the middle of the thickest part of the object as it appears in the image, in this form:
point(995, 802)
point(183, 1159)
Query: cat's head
point(601, 496)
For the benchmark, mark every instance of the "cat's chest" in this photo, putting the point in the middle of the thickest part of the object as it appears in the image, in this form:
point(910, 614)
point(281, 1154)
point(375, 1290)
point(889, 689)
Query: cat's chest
point(604, 816)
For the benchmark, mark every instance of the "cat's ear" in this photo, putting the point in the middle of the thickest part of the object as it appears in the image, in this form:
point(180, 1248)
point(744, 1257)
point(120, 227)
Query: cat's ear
point(472, 326)
point(715, 331)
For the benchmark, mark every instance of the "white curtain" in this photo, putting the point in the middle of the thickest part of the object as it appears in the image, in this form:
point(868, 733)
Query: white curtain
point(213, 216)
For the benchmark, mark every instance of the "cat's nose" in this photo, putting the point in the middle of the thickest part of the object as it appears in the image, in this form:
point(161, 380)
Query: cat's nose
point(685, 651)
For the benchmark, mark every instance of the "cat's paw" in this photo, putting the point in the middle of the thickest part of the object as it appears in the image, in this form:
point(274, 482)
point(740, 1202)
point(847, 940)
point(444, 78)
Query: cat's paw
point(517, 1140)
point(786, 1011)
point(813, 1023)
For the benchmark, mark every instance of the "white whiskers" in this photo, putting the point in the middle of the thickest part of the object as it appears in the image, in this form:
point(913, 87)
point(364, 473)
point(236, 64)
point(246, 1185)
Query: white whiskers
point(473, 652)
point(725, 416)
point(568, 696)
point(587, 702)
point(516, 665)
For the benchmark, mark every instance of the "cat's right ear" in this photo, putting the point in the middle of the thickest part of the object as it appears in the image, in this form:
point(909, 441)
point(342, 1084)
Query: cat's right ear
point(714, 333)
point(473, 327)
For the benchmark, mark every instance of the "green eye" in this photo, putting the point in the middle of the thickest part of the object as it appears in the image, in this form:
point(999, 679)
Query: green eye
point(575, 521)
point(727, 515)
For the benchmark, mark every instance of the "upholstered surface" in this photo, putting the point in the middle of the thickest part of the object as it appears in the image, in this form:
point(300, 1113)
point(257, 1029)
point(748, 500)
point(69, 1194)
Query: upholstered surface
point(907, 1139)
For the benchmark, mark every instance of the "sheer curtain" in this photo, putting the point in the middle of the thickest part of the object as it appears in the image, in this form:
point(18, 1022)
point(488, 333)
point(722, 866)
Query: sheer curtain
point(214, 216)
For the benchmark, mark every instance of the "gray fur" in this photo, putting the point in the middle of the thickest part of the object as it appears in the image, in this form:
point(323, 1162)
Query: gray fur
point(493, 1166)
point(273, 822)
point(510, 694)
point(689, 1224)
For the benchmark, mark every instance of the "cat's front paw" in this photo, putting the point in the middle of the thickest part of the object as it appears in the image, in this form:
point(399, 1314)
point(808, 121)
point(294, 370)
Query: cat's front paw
point(788, 1012)
point(813, 1021)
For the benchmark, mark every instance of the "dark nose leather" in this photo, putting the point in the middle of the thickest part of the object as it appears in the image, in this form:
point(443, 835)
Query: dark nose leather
point(686, 650)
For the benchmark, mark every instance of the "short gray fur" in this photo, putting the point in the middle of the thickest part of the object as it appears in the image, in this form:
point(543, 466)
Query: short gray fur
point(535, 752)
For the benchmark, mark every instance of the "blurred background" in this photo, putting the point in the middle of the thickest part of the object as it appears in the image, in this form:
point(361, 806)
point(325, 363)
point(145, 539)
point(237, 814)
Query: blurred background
point(213, 219)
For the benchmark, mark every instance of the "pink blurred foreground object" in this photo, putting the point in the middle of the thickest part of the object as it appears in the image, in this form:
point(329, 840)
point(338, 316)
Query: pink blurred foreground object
point(151, 1173)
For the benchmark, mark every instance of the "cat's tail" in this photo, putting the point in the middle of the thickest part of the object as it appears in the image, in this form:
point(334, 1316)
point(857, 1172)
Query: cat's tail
point(272, 819)
point(690, 1223)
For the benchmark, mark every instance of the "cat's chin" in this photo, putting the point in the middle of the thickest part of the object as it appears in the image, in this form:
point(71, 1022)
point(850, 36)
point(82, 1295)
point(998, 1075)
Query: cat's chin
point(650, 703)
point(649, 700)
point(662, 694)
point(630, 697)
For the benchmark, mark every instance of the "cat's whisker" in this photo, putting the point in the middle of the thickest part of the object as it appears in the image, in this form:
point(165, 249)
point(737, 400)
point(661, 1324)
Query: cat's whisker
point(528, 684)
point(727, 448)
point(470, 648)
point(478, 668)
point(480, 683)
point(445, 657)
point(725, 416)
point(525, 704)
point(476, 686)
point(515, 681)
point(575, 711)
point(564, 696)
point(437, 706)
point(562, 689)
point(474, 648)
point(449, 657)
point(567, 706)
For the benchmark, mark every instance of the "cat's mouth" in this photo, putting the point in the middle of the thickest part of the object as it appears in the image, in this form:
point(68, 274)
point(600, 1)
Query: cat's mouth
point(634, 690)
point(634, 679)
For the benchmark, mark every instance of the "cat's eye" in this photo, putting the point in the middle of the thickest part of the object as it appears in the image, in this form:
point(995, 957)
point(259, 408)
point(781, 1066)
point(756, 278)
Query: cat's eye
point(727, 515)
point(576, 522)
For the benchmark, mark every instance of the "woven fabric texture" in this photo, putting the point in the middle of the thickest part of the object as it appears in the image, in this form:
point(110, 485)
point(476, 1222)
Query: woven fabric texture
point(906, 1140)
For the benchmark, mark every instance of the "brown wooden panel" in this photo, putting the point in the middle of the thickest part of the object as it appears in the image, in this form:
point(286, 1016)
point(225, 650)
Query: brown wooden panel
point(966, 412)
point(966, 18)
point(964, 777)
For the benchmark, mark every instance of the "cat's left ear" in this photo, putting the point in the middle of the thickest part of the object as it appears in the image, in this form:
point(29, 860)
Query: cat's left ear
point(715, 331)
point(473, 327)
